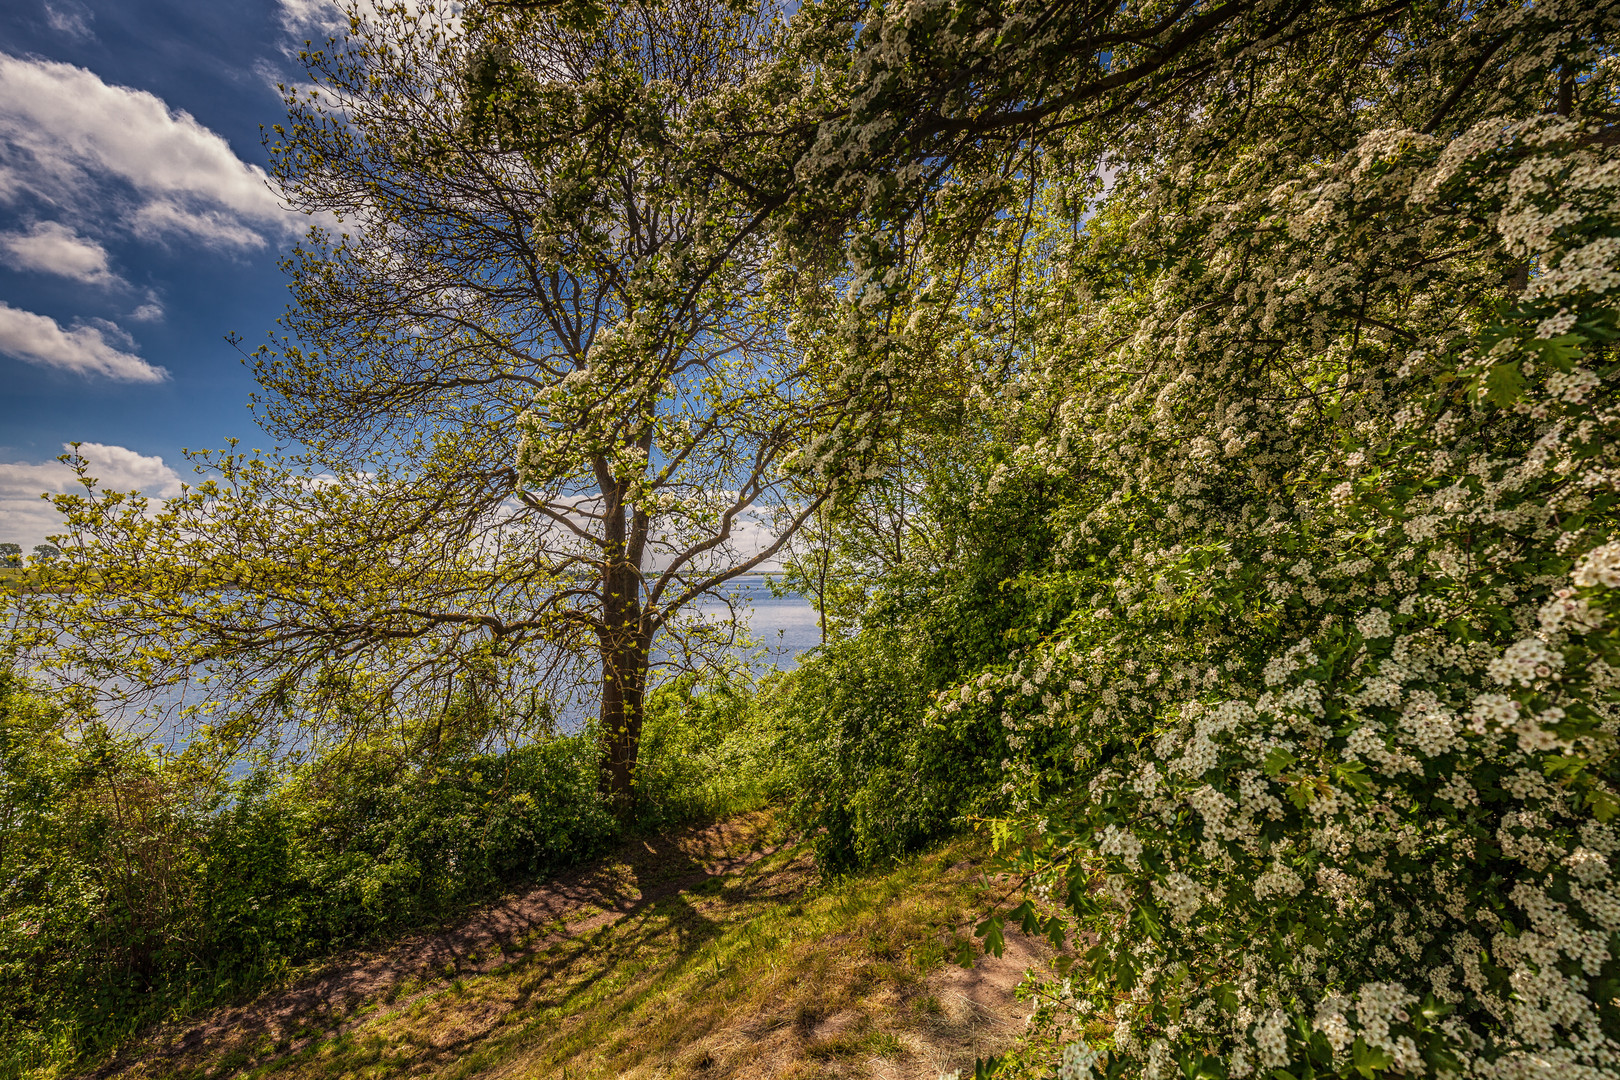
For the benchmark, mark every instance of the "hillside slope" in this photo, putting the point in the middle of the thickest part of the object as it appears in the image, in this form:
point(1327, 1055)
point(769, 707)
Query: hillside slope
point(713, 952)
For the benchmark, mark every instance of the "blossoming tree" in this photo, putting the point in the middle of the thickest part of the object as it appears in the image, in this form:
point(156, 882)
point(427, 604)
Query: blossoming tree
point(1317, 774)
point(540, 366)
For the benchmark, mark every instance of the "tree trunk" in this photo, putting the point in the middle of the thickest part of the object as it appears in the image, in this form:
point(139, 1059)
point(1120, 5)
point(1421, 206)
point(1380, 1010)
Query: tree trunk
point(624, 684)
point(624, 643)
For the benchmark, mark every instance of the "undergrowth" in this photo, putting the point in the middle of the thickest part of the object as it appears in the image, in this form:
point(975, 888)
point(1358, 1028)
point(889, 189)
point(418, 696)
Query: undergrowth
point(138, 886)
point(766, 971)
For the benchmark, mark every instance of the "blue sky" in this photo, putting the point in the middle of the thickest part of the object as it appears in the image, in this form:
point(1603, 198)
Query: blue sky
point(136, 231)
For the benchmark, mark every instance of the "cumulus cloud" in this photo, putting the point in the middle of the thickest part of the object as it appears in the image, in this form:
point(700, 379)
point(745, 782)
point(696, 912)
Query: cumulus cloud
point(52, 248)
point(28, 519)
point(84, 350)
point(71, 141)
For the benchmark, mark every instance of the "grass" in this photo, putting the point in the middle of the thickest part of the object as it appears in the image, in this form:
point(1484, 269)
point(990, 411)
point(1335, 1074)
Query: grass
point(764, 972)
point(16, 579)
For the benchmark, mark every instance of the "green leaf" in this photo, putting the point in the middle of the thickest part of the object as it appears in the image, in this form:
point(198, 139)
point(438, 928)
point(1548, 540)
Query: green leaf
point(991, 931)
point(1349, 775)
point(1125, 972)
point(1368, 1060)
point(1278, 759)
point(1028, 920)
point(1440, 1060)
point(1503, 384)
point(1148, 916)
point(1433, 1008)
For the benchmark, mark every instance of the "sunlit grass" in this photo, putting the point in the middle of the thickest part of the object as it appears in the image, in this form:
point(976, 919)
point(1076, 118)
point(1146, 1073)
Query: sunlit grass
point(767, 971)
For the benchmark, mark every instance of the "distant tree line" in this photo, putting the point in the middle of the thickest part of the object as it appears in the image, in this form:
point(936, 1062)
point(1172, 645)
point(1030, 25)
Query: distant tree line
point(11, 555)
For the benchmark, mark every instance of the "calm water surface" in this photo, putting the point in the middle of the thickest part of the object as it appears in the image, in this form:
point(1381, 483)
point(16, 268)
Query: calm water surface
point(782, 628)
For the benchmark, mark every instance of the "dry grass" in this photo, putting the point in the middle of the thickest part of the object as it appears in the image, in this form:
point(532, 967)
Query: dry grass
point(764, 971)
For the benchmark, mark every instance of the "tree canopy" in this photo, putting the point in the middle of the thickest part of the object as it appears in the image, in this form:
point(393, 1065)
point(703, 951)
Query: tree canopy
point(544, 376)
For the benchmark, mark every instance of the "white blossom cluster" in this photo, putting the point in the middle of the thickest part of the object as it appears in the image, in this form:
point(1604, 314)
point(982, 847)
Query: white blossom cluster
point(1335, 697)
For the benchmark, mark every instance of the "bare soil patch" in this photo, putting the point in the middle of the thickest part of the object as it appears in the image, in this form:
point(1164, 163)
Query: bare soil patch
point(575, 902)
point(712, 952)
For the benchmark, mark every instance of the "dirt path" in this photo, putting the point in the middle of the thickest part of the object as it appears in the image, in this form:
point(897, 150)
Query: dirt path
point(535, 980)
point(574, 903)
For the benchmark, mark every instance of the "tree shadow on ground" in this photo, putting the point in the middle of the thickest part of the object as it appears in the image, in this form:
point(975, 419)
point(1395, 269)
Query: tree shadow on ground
point(651, 883)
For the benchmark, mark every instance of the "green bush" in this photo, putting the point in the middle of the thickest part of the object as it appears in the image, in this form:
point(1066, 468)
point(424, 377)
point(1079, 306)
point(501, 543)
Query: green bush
point(704, 754)
point(874, 777)
point(324, 859)
point(137, 885)
point(134, 885)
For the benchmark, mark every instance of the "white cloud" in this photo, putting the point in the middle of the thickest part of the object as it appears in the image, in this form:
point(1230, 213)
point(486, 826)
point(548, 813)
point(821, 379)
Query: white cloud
point(162, 217)
point(116, 468)
point(151, 311)
point(85, 350)
point(317, 20)
point(312, 19)
point(70, 18)
point(72, 141)
point(52, 248)
point(27, 519)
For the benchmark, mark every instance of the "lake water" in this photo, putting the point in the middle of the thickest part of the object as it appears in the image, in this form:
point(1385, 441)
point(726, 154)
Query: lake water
point(782, 628)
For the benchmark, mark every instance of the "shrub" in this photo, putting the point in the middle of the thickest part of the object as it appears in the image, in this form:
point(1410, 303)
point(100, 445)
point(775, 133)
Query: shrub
point(133, 886)
point(1339, 781)
point(705, 753)
point(874, 776)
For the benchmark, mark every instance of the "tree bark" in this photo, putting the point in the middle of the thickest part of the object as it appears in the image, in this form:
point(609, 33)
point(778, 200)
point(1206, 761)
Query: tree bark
point(625, 644)
point(624, 684)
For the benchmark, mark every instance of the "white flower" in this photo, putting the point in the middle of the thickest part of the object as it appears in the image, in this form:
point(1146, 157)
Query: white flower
point(1278, 880)
point(1526, 662)
point(1493, 711)
point(1181, 895)
point(1271, 1040)
point(1567, 611)
point(1123, 844)
point(1374, 624)
point(1587, 866)
point(1600, 566)
point(1078, 1062)
point(1556, 325)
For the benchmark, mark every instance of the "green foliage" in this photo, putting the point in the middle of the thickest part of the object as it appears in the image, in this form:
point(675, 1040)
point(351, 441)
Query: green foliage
point(866, 770)
point(874, 776)
point(303, 865)
point(1331, 679)
point(136, 885)
point(704, 754)
point(1311, 706)
point(940, 587)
